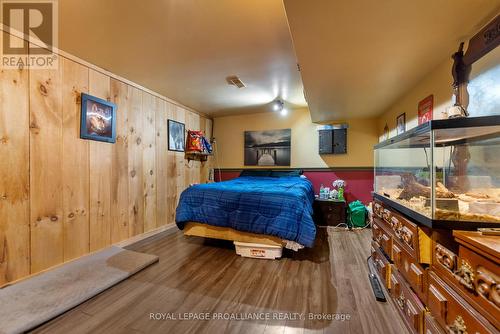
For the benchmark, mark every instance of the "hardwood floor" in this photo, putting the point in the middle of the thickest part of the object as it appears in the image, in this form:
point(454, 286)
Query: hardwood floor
point(197, 276)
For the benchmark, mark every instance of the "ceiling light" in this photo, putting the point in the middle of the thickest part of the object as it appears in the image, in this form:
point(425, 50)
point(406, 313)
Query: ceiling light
point(278, 105)
point(284, 112)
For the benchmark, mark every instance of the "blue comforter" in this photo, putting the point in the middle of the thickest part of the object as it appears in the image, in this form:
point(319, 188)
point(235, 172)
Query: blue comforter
point(281, 207)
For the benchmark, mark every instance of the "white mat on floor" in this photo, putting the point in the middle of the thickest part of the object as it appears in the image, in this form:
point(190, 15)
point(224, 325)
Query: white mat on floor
point(29, 303)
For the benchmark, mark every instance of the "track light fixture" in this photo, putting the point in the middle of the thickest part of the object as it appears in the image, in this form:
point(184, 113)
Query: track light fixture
point(279, 105)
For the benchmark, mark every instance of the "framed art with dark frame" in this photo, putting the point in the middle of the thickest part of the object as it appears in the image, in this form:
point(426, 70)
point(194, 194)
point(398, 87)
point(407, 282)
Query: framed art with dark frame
point(98, 119)
point(176, 136)
point(401, 124)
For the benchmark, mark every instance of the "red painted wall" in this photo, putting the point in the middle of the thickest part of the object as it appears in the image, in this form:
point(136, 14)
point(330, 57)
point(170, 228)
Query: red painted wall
point(359, 182)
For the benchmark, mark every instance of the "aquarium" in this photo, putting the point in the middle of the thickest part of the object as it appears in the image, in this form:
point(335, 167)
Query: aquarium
point(443, 171)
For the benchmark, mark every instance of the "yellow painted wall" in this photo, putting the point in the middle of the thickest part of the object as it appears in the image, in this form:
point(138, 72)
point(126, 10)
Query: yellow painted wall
point(361, 136)
point(438, 82)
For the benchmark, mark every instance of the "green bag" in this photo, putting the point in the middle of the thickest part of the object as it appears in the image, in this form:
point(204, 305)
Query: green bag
point(357, 214)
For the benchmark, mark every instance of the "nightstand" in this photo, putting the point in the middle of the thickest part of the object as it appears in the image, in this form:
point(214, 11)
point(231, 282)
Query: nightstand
point(329, 212)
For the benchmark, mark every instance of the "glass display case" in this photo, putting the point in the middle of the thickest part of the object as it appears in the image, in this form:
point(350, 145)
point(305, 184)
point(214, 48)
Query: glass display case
point(443, 172)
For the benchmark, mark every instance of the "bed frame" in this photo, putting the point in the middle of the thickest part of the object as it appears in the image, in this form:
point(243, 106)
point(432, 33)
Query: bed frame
point(227, 233)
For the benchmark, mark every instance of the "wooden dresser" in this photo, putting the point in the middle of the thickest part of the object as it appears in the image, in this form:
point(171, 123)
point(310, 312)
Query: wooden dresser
point(329, 212)
point(442, 281)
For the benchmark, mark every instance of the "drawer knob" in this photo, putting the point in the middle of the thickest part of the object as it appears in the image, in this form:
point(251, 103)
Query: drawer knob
point(458, 326)
point(465, 275)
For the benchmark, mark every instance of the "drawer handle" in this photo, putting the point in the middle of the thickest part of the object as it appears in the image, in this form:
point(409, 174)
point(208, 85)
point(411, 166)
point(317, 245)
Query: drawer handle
point(458, 326)
point(465, 275)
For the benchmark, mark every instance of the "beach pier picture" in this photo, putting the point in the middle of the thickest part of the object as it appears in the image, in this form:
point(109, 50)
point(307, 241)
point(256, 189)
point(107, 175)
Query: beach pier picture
point(268, 148)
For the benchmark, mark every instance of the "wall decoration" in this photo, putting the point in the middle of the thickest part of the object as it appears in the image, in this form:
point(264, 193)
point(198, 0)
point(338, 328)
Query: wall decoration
point(98, 119)
point(425, 108)
point(268, 148)
point(386, 132)
point(401, 123)
point(176, 138)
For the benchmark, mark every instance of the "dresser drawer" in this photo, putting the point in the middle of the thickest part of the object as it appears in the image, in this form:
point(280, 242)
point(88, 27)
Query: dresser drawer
point(453, 313)
point(473, 277)
point(381, 264)
point(407, 303)
point(406, 232)
point(386, 215)
point(443, 259)
point(414, 273)
point(431, 326)
point(329, 212)
point(382, 236)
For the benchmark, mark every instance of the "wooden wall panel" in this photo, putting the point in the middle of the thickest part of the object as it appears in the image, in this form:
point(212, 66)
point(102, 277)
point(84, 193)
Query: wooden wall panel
point(14, 176)
point(62, 197)
point(149, 160)
point(120, 95)
point(100, 174)
point(46, 193)
point(162, 156)
point(136, 202)
point(75, 162)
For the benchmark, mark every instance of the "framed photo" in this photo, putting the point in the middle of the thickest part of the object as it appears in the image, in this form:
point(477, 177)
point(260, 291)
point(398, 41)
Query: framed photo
point(98, 119)
point(401, 123)
point(268, 148)
point(425, 108)
point(176, 136)
point(386, 132)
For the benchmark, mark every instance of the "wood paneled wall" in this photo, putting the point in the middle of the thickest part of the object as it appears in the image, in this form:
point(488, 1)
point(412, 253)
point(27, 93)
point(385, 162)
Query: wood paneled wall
point(62, 197)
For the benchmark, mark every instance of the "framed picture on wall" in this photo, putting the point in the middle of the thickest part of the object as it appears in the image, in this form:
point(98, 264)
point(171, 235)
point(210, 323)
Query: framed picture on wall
point(98, 119)
point(401, 123)
point(425, 108)
point(268, 148)
point(176, 136)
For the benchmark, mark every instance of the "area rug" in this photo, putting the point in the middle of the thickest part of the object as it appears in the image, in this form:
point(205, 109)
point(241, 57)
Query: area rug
point(29, 303)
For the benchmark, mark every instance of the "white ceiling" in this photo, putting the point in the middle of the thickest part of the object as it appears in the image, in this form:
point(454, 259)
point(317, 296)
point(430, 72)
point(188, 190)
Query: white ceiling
point(358, 57)
point(185, 49)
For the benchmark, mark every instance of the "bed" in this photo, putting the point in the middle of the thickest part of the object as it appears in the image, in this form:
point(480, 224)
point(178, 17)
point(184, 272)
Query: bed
point(272, 208)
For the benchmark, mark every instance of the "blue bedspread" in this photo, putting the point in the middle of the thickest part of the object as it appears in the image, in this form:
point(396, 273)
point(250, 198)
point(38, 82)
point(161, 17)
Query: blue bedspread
point(281, 207)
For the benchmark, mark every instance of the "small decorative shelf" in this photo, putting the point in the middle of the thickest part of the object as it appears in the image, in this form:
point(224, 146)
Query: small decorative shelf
point(195, 155)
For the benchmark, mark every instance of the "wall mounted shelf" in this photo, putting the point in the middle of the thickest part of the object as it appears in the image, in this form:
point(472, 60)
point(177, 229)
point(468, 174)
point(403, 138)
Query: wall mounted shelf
point(194, 155)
